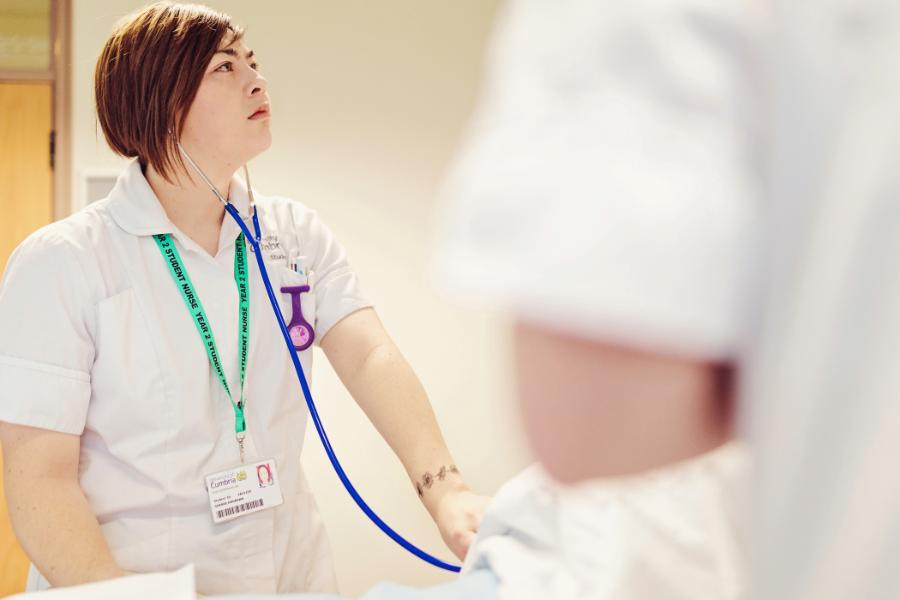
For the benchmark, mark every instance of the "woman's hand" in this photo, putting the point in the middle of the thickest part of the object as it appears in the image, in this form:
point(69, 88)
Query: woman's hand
point(457, 512)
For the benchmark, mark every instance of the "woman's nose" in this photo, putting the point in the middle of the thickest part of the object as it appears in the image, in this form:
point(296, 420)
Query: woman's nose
point(259, 85)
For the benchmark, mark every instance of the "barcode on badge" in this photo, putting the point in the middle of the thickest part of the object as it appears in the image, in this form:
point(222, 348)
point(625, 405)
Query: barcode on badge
point(240, 508)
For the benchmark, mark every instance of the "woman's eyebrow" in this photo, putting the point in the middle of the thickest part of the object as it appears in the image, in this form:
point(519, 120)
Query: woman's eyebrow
point(233, 52)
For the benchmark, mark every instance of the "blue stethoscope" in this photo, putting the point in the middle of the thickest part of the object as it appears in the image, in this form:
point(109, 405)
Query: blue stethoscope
point(254, 240)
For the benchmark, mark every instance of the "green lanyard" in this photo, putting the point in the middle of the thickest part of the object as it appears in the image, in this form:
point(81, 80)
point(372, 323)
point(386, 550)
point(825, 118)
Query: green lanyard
point(192, 301)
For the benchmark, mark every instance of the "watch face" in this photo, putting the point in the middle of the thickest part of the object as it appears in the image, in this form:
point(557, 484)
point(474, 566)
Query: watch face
point(299, 335)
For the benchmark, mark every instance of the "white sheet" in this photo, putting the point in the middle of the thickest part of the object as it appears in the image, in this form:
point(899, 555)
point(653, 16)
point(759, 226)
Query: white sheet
point(676, 533)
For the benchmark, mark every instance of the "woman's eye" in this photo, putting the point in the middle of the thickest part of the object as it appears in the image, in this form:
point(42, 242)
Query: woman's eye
point(254, 66)
point(224, 67)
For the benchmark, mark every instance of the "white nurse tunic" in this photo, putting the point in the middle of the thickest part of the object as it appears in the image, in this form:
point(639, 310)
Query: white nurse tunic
point(98, 343)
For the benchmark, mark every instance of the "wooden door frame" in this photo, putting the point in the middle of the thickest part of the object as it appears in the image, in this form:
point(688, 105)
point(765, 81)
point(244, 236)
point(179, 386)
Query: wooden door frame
point(59, 77)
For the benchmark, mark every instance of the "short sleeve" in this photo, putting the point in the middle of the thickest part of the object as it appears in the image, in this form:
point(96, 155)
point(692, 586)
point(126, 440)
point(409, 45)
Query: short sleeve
point(336, 285)
point(45, 325)
point(609, 186)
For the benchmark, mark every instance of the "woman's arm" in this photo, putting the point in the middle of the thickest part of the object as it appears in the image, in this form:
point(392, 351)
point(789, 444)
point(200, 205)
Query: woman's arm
point(48, 509)
point(594, 409)
point(384, 385)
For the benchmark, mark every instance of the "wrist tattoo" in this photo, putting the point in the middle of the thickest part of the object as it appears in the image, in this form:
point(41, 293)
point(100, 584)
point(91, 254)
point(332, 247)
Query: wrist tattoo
point(428, 479)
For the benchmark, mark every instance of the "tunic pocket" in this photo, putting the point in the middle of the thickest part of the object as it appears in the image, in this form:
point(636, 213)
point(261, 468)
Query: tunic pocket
point(129, 407)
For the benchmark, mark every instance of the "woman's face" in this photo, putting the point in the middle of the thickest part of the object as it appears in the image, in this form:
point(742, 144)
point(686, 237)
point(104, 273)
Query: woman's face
point(228, 122)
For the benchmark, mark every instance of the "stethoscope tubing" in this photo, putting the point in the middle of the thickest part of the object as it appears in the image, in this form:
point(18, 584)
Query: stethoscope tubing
point(254, 240)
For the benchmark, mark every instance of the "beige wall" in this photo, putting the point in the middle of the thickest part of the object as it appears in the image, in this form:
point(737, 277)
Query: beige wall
point(369, 100)
point(24, 35)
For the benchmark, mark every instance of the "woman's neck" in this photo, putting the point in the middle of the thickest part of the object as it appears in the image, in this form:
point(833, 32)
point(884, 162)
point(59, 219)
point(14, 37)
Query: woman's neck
point(191, 205)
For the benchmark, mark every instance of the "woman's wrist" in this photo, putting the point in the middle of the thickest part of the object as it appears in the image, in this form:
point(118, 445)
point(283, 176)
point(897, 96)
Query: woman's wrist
point(428, 480)
point(433, 486)
point(455, 509)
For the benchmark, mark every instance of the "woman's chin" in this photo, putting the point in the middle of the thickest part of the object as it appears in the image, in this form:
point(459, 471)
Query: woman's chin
point(262, 144)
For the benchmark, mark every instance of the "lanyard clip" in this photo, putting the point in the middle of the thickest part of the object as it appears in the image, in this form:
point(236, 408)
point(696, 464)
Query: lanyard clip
point(240, 440)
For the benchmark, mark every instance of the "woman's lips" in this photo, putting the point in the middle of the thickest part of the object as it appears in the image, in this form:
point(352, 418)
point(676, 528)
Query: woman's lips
point(261, 113)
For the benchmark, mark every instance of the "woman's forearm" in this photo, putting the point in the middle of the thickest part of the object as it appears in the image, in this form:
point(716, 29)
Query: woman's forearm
point(58, 531)
point(393, 398)
point(384, 385)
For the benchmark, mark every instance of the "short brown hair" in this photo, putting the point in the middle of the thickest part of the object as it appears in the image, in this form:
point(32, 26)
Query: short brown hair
point(148, 75)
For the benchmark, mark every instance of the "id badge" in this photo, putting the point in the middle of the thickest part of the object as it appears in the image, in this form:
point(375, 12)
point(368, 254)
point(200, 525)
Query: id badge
point(243, 490)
